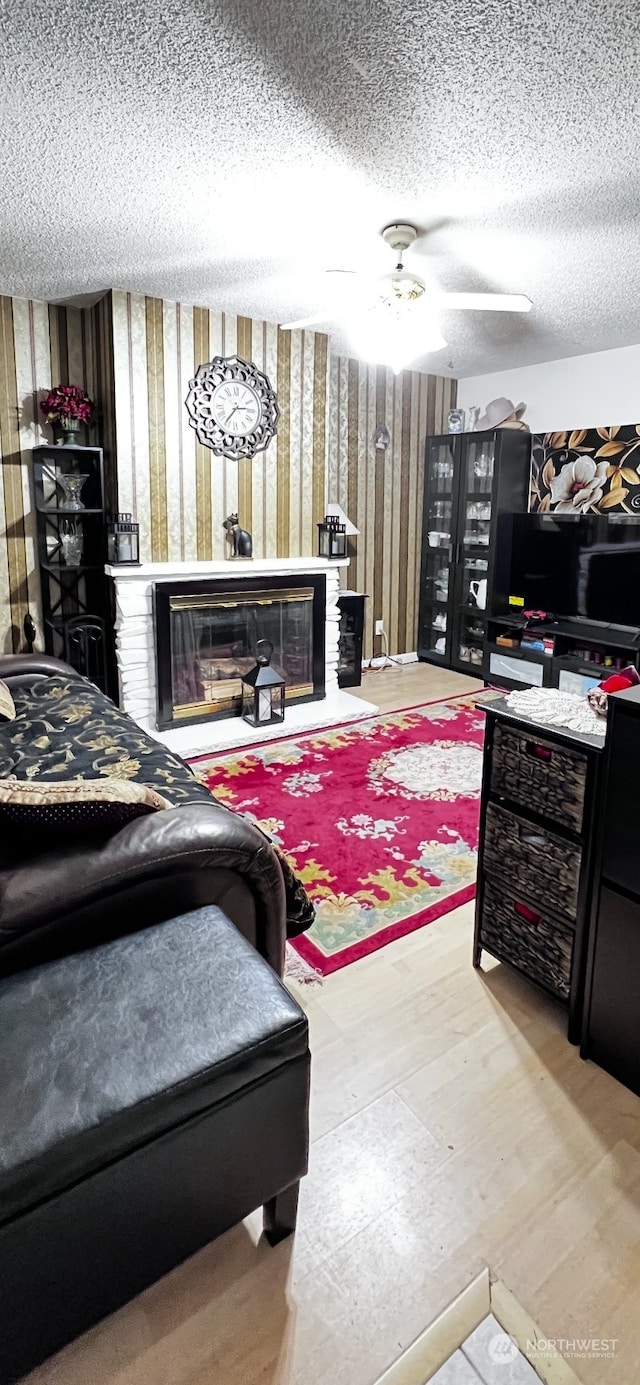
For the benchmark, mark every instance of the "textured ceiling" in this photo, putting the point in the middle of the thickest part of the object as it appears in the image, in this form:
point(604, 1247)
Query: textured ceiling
point(229, 154)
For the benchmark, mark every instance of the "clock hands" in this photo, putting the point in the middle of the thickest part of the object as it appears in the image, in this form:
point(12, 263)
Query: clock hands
point(235, 409)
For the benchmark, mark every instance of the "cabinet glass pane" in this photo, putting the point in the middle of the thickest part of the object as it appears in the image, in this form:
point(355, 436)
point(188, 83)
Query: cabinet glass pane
point(477, 484)
point(470, 639)
point(439, 496)
point(479, 466)
point(473, 591)
point(436, 576)
point(434, 628)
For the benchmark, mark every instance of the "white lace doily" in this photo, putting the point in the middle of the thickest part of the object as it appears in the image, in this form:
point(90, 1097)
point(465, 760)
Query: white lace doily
point(555, 708)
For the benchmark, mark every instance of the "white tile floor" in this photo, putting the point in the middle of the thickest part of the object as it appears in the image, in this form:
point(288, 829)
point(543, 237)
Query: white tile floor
point(456, 1371)
point(488, 1357)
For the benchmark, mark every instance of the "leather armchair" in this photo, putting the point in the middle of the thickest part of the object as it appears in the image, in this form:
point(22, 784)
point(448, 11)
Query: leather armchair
point(56, 901)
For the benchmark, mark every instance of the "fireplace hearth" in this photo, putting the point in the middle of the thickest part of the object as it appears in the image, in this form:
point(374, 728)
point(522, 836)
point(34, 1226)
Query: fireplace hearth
point(207, 634)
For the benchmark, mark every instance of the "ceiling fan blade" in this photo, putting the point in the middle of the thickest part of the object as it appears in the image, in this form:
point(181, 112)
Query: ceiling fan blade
point(354, 287)
point(487, 302)
point(329, 315)
point(301, 322)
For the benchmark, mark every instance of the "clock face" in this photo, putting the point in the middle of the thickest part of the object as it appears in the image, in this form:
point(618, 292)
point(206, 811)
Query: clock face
point(235, 407)
point(232, 407)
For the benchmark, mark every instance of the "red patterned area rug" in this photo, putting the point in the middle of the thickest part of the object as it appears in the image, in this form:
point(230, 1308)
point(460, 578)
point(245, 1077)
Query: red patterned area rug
point(379, 818)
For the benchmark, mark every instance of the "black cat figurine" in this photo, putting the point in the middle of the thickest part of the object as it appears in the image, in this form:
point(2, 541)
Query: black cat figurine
point(240, 542)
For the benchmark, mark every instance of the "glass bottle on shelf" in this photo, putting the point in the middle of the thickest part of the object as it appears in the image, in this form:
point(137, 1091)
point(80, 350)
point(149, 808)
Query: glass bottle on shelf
point(71, 543)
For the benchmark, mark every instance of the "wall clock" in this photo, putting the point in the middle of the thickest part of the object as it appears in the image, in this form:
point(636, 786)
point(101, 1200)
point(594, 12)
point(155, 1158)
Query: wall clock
point(232, 407)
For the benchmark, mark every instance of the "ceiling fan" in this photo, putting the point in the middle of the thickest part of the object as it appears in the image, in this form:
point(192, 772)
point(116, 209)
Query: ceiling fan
point(397, 313)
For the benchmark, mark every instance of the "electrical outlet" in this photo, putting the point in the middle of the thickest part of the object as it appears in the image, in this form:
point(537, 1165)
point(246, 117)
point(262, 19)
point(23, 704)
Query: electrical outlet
point(379, 627)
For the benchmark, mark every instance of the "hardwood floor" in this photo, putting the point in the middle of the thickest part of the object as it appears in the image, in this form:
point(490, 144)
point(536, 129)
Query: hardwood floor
point(406, 685)
point(453, 1128)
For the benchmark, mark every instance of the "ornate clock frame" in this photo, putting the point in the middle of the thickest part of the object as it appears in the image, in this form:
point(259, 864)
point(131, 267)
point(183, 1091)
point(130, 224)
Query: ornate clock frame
point(208, 430)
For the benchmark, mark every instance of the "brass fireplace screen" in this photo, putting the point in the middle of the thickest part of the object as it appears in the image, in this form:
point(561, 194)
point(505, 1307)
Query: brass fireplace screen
point(213, 643)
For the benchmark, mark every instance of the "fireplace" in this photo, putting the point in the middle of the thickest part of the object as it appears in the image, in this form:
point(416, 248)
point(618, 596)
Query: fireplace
point(143, 647)
point(207, 633)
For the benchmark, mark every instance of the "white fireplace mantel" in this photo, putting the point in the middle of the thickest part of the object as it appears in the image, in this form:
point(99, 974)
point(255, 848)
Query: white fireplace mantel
point(225, 567)
point(136, 652)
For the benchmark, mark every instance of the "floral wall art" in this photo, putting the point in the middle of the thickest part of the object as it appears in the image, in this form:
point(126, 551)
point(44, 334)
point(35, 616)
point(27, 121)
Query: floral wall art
point(595, 469)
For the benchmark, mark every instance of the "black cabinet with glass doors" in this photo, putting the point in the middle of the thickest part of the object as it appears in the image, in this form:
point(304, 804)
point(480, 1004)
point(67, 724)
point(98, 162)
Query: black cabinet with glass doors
point(470, 478)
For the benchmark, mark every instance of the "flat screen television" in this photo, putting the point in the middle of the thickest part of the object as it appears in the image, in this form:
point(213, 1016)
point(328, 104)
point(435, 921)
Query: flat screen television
point(584, 566)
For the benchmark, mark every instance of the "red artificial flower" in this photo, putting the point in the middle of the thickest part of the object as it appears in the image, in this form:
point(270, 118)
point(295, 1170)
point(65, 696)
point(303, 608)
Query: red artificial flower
point(67, 401)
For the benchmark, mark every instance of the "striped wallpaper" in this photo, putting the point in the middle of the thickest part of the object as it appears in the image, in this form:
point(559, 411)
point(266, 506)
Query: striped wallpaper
point(323, 452)
point(382, 491)
point(136, 355)
point(179, 491)
point(40, 345)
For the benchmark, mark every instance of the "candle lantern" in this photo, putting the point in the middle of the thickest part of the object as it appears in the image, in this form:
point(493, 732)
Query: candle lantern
point(123, 540)
point(332, 537)
point(263, 689)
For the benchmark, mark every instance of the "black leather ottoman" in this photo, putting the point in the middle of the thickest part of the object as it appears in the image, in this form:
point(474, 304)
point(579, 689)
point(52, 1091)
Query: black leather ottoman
point(153, 1091)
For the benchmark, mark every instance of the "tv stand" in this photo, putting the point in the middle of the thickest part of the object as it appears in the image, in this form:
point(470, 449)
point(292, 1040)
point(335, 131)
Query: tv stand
point(577, 654)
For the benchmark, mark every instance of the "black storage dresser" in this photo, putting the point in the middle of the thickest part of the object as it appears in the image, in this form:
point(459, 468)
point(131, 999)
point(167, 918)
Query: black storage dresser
point(535, 855)
point(611, 1034)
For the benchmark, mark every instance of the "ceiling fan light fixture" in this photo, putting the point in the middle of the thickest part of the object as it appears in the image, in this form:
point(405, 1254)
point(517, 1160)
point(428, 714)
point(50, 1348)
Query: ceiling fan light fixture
point(403, 291)
point(401, 287)
point(395, 333)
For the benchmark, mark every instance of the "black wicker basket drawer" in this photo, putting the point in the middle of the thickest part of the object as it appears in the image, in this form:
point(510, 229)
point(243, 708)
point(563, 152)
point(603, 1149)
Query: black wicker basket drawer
point(542, 865)
point(530, 940)
point(540, 774)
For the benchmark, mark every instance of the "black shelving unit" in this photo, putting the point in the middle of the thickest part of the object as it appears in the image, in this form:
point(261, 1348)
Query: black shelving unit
point(470, 479)
point(76, 597)
point(351, 608)
point(580, 649)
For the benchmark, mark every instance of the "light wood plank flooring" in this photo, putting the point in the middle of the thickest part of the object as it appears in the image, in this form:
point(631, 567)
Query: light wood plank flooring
point(406, 685)
point(453, 1128)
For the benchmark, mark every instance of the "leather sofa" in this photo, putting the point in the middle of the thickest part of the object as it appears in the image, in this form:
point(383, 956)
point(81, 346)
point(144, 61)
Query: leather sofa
point(154, 1072)
point(52, 901)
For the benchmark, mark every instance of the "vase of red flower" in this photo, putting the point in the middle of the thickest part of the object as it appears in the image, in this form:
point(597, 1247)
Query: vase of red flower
point(67, 431)
point(67, 408)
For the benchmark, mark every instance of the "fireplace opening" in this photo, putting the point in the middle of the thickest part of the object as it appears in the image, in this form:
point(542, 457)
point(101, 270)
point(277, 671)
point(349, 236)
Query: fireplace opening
point(206, 638)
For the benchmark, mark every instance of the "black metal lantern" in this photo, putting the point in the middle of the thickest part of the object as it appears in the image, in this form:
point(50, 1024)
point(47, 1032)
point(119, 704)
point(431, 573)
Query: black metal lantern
point(263, 689)
point(332, 538)
point(123, 540)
